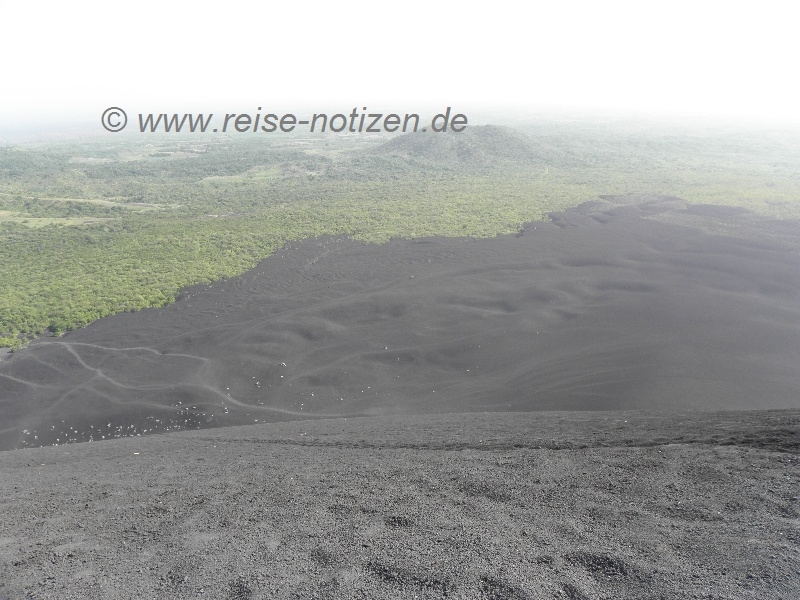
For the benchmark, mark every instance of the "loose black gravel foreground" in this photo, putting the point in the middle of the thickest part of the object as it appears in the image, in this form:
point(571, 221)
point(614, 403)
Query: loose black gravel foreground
point(485, 505)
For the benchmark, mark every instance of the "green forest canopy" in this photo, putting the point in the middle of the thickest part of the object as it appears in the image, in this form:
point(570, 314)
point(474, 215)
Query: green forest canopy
point(95, 227)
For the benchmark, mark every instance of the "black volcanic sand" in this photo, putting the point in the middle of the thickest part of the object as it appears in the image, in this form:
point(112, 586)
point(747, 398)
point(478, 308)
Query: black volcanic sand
point(635, 302)
point(581, 505)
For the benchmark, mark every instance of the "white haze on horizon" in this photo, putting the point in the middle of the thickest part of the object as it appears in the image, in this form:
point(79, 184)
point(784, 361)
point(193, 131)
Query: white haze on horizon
point(696, 58)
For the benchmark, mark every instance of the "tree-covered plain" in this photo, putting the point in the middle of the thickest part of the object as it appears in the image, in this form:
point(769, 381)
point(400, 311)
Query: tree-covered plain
point(90, 228)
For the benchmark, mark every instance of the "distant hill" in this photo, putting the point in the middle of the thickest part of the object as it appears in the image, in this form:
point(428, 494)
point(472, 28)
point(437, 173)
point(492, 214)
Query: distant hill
point(482, 146)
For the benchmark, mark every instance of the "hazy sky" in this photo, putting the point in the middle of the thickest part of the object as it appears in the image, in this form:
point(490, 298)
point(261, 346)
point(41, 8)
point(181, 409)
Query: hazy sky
point(697, 57)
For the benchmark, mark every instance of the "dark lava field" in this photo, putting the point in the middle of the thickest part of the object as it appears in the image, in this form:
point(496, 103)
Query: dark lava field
point(636, 303)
